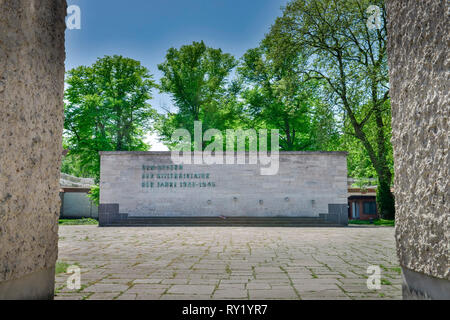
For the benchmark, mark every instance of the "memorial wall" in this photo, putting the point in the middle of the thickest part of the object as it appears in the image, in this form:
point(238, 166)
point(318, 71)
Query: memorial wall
point(150, 184)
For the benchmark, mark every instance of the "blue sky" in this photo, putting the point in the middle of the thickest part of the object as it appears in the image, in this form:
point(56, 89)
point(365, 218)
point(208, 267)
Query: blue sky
point(145, 29)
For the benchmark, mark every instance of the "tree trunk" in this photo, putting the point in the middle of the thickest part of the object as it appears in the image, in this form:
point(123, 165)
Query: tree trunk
point(385, 198)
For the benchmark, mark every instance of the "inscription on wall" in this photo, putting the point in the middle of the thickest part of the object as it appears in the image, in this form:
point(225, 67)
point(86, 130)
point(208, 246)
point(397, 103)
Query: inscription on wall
point(173, 177)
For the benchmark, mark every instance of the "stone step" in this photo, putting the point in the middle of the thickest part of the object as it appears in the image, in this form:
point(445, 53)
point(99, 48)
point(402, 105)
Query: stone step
point(222, 221)
point(314, 225)
point(230, 221)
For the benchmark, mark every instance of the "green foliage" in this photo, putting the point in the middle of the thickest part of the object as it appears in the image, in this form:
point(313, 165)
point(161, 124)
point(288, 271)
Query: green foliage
point(94, 195)
point(350, 63)
point(277, 96)
point(377, 222)
point(196, 77)
point(61, 267)
point(106, 109)
point(359, 162)
point(72, 165)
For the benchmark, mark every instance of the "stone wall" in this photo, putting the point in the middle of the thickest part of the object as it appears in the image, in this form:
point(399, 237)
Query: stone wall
point(31, 119)
point(148, 184)
point(418, 49)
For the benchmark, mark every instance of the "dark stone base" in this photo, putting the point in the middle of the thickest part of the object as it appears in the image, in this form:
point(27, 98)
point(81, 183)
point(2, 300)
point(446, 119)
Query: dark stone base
point(125, 221)
point(110, 216)
point(418, 286)
point(39, 285)
point(108, 213)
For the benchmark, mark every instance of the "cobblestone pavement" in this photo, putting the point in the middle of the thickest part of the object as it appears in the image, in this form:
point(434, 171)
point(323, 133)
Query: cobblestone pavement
point(228, 263)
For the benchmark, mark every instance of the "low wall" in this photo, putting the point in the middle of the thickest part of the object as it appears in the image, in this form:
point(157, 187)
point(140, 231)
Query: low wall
point(75, 205)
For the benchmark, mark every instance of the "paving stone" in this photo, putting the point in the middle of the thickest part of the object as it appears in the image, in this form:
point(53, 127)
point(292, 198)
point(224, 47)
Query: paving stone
point(235, 281)
point(191, 289)
point(185, 297)
point(103, 296)
point(325, 295)
point(315, 286)
point(147, 281)
point(225, 286)
point(300, 276)
point(117, 281)
point(148, 289)
point(175, 281)
point(106, 287)
point(147, 296)
point(258, 285)
point(230, 294)
point(213, 282)
point(288, 294)
point(70, 296)
point(127, 296)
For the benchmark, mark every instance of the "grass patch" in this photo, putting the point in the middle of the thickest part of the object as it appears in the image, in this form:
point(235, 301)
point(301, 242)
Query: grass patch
point(228, 269)
point(78, 222)
point(397, 269)
point(61, 267)
point(383, 267)
point(378, 222)
point(313, 273)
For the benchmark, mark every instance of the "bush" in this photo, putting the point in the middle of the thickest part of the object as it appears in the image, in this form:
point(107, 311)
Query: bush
point(94, 194)
point(78, 222)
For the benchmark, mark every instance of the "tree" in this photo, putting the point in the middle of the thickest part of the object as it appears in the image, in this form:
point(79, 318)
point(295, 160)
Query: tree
point(359, 164)
point(196, 78)
point(277, 97)
point(350, 58)
point(106, 109)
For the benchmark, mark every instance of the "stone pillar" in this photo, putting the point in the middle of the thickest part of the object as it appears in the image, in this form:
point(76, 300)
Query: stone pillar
point(419, 59)
point(31, 120)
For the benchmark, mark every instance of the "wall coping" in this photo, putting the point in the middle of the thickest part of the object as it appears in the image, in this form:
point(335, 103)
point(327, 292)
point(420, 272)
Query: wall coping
point(164, 153)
